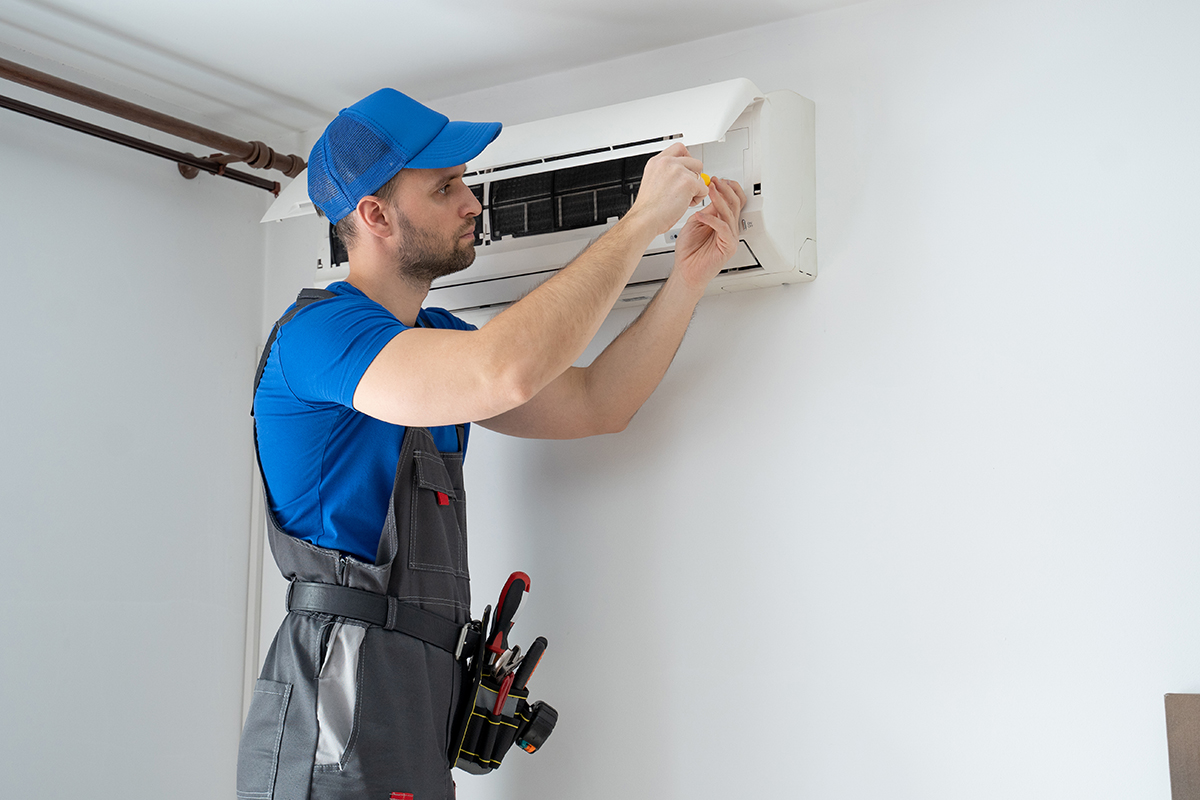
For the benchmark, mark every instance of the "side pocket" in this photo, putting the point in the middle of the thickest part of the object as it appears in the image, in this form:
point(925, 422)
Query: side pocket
point(258, 753)
point(437, 535)
point(337, 694)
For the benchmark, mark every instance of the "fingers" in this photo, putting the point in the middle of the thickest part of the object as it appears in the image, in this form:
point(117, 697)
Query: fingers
point(679, 154)
point(732, 192)
point(728, 199)
point(676, 149)
point(671, 183)
point(737, 190)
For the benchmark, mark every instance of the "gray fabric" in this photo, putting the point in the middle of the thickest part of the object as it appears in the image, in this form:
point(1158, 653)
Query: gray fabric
point(259, 758)
point(407, 689)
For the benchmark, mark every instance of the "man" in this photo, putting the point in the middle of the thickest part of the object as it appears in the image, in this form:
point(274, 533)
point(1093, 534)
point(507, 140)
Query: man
point(362, 412)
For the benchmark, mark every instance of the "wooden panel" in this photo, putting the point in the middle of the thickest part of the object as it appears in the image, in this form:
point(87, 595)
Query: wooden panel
point(1183, 745)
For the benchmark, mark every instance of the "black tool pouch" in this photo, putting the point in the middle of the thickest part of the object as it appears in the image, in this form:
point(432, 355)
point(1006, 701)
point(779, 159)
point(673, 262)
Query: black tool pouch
point(481, 736)
point(486, 735)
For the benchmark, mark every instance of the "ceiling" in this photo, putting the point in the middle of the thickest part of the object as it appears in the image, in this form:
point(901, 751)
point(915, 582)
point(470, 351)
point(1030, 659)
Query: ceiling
point(260, 69)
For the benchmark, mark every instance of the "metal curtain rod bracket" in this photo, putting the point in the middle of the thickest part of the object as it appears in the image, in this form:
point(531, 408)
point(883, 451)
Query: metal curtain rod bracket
point(255, 154)
point(184, 160)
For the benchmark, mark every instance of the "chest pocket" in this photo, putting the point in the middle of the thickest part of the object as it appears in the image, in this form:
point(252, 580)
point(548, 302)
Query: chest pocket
point(438, 517)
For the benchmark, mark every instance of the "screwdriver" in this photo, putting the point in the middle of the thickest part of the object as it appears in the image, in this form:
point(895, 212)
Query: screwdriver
point(529, 662)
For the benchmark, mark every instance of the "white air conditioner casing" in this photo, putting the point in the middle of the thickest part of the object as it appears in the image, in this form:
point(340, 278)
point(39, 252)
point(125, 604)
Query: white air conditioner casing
point(766, 142)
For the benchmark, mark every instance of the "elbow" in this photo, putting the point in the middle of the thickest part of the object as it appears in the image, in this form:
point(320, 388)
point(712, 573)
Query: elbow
point(616, 428)
point(506, 380)
point(610, 423)
point(512, 387)
point(517, 393)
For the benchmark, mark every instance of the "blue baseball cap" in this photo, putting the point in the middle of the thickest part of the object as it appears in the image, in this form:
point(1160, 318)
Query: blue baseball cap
point(372, 140)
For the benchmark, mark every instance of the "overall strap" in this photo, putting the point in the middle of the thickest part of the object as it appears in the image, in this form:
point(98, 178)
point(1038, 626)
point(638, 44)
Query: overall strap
point(306, 297)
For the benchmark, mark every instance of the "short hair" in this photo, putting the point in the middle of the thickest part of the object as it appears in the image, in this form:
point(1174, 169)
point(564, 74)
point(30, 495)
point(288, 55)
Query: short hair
point(347, 227)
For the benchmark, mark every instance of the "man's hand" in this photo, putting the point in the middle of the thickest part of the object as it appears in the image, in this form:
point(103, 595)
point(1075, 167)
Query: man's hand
point(671, 184)
point(709, 238)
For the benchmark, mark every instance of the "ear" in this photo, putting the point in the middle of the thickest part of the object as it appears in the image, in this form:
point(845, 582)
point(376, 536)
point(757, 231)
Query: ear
point(375, 217)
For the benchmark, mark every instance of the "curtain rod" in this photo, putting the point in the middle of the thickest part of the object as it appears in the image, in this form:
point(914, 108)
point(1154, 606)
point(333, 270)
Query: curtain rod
point(182, 159)
point(255, 154)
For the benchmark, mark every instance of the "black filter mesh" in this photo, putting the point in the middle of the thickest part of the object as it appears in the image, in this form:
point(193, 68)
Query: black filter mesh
point(594, 207)
point(635, 166)
point(575, 211)
point(588, 176)
point(611, 202)
point(522, 219)
point(508, 220)
point(541, 216)
point(337, 248)
point(478, 192)
point(527, 187)
point(565, 199)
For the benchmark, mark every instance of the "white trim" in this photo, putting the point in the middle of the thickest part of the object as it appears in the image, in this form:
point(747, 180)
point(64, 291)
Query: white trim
point(258, 533)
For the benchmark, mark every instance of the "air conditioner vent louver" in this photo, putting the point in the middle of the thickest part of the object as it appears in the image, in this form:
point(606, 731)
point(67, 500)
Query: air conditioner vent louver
point(657, 140)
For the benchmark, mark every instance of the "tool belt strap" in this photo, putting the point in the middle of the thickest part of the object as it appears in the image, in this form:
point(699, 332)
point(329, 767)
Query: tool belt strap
point(385, 612)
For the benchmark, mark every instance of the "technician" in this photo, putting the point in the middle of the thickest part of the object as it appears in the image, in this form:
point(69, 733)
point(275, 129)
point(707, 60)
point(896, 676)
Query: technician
point(361, 408)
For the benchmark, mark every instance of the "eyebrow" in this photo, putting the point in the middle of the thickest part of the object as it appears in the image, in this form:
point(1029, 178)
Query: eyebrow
point(443, 175)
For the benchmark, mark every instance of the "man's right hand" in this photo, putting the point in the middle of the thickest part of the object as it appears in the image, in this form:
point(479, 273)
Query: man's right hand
point(671, 184)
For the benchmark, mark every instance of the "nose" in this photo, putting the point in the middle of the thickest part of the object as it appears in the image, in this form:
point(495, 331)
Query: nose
point(475, 208)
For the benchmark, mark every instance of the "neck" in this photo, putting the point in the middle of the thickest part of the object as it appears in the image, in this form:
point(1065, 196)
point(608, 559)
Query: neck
point(390, 290)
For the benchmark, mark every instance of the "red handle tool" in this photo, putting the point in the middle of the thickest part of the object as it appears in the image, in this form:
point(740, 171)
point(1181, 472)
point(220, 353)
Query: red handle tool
point(506, 611)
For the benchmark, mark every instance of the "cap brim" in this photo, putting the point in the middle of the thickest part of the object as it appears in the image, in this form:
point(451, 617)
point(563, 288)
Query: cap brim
point(458, 143)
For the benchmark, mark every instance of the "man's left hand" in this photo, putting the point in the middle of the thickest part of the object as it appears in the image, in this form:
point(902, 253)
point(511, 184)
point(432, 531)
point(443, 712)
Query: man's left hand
point(709, 237)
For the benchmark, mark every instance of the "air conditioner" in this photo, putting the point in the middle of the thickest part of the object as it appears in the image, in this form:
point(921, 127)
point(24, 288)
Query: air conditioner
point(550, 187)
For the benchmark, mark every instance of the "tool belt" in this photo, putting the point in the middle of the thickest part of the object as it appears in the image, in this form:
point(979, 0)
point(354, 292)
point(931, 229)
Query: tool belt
point(492, 714)
point(385, 612)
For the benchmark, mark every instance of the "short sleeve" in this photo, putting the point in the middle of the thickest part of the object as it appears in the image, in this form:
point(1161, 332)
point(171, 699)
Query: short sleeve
point(441, 318)
point(325, 349)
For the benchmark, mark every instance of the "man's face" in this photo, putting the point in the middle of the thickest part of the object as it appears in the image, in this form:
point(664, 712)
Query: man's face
point(436, 218)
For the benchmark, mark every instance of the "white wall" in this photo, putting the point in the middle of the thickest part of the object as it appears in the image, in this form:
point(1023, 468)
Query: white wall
point(954, 555)
point(130, 324)
point(925, 528)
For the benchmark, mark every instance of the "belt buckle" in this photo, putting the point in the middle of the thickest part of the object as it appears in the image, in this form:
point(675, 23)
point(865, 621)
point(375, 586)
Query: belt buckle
point(462, 639)
point(467, 627)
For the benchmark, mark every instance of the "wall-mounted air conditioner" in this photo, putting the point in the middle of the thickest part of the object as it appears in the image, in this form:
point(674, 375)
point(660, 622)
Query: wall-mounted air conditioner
point(550, 187)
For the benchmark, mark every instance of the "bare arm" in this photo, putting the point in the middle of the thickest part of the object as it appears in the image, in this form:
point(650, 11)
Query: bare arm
point(603, 397)
point(437, 377)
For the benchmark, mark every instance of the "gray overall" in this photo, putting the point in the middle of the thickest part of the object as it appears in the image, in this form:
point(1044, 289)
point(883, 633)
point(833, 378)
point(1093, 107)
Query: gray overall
point(349, 708)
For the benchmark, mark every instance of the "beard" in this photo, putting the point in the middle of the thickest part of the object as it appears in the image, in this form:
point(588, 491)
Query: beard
point(425, 256)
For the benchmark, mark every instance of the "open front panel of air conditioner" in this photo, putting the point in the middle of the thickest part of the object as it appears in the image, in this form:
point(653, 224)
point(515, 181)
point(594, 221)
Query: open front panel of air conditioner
point(549, 188)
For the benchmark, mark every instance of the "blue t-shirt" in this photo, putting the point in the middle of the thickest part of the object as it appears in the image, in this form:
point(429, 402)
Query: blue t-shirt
point(330, 469)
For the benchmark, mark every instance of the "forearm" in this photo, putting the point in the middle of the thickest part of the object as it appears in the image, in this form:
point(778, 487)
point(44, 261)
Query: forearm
point(540, 336)
point(603, 397)
point(624, 376)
